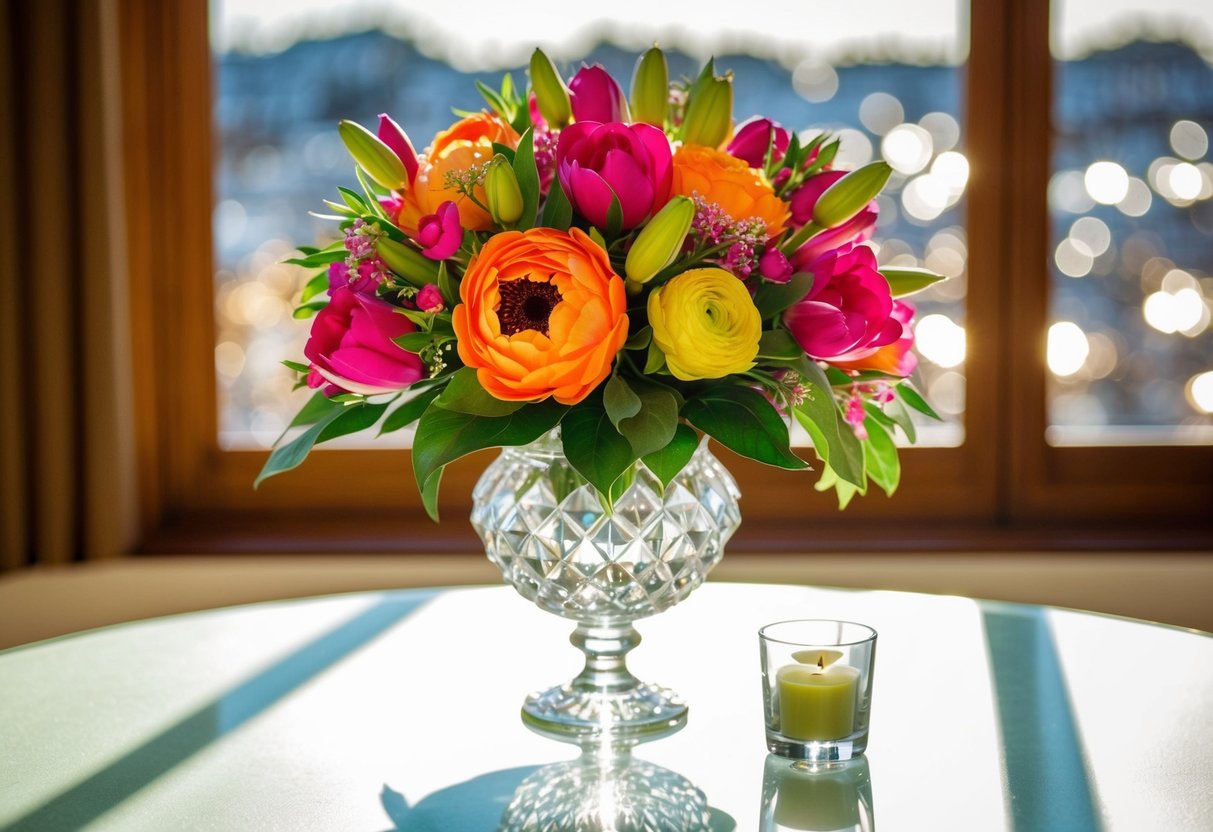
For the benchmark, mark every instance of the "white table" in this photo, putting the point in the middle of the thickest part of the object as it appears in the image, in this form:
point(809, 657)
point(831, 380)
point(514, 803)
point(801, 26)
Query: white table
point(381, 711)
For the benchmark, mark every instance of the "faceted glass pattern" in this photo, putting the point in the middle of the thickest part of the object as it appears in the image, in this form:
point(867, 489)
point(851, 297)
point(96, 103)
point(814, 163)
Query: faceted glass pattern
point(554, 541)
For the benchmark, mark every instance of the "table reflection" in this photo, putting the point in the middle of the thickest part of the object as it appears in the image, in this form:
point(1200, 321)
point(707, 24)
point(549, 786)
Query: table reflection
point(606, 788)
point(824, 797)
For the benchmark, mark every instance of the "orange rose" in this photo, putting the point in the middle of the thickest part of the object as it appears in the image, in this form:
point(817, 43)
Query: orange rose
point(465, 143)
point(543, 314)
point(739, 190)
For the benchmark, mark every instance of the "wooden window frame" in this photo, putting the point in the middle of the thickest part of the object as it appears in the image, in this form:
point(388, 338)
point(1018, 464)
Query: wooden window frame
point(1005, 488)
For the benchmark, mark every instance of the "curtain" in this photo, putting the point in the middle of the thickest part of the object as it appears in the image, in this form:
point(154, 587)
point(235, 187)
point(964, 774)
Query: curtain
point(67, 463)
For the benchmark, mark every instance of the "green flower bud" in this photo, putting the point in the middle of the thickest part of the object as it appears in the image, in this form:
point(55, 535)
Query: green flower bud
point(378, 160)
point(709, 120)
point(847, 197)
point(504, 195)
point(660, 241)
point(412, 265)
point(651, 88)
point(550, 92)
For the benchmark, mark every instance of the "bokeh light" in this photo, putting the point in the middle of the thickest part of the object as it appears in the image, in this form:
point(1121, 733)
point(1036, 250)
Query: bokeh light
point(1106, 182)
point(940, 340)
point(1200, 392)
point(1067, 348)
point(907, 148)
point(1189, 139)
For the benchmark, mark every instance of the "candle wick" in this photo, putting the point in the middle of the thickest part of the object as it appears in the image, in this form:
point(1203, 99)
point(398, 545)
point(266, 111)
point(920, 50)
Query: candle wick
point(821, 662)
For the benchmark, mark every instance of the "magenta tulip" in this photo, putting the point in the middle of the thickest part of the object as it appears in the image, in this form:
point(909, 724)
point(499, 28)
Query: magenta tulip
point(440, 234)
point(631, 162)
point(848, 314)
point(351, 345)
point(855, 230)
point(752, 139)
point(596, 96)
point(774, 266)
point(393, 135)
point(897, 358)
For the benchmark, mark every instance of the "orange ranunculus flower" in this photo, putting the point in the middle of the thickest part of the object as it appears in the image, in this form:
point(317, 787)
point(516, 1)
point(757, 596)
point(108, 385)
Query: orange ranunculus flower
point(542, 314)
point(465, 143)
point(740, 191)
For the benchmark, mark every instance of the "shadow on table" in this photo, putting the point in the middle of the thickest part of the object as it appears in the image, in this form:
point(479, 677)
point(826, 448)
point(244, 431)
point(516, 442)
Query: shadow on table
point(594, 791)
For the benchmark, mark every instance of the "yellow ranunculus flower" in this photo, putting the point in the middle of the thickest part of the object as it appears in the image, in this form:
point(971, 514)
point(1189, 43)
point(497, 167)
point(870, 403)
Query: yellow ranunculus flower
point(706, 324)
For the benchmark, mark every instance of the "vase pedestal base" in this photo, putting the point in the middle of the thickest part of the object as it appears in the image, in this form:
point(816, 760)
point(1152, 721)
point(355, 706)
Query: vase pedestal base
point(644, 712)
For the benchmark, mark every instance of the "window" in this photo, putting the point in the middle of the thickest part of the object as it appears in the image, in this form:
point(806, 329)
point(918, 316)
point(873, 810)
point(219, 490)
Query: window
point(993, 476)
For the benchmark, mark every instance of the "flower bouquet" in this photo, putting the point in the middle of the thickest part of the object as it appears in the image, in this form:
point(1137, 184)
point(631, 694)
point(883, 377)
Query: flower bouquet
point(635, 271)
point(595, 283)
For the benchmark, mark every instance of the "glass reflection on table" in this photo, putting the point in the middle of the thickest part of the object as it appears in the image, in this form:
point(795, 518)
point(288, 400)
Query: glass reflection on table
point(606, 788)
point(824, 797)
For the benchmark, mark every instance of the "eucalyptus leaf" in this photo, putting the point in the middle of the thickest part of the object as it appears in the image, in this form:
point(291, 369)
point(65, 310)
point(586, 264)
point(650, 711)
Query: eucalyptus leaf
point(640, 339)
point(744, 421)
point(655, 360)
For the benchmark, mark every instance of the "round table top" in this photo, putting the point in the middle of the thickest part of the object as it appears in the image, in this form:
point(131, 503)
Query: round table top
point(399, 711)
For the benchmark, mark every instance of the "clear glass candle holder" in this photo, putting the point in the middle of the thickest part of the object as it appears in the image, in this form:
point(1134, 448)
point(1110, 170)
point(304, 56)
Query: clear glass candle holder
point(817, 688)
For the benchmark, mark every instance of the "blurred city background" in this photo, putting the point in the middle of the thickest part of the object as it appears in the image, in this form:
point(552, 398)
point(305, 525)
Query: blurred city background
point(1129, 351)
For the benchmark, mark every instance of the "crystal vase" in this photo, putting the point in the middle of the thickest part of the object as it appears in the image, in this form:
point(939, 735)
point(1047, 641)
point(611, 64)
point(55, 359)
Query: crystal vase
point(559, 546)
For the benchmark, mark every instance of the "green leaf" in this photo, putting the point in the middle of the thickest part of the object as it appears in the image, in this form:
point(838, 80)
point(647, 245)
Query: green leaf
point(614, 218)
point(744, 421)
point(528, 179)
point(904, 282)
point(290, 455)
point(773, 298)
point(415, 342)
point(447, 286)
point(880, 456)
point(915, 400)
point(446, 435)
point(464, 394)
point(779, 344)
point(354, 418)
point(354, 201)
point(845, 490)
point(306, 310)
point(655, 360)
point(429, 493)
point(897, 412)
point(640, 339)
point(593, 447)
point(319, 258)
point(653, 425)
point(619, 400)
point(375, 209)
point(343, 210)
point(834, 440)
point(297, 366)
point(318, 284)
point(557, 210)
point(667, 462)
point(409, 412)
point(504, 150)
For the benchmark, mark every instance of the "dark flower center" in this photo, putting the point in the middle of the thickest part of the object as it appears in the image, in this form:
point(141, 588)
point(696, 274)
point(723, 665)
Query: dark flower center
point(526, 304)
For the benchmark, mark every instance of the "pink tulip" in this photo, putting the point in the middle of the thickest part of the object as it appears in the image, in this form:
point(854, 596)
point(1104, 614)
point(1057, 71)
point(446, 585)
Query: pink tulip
point(848, 314)
point(351, 344)
point(440, 234)
point(897, 358)
point(393, 135)
point(752, 139)
point(596, 96)
point(632, 162)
